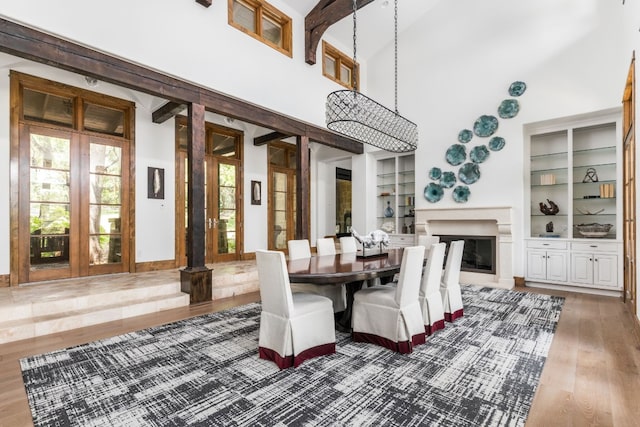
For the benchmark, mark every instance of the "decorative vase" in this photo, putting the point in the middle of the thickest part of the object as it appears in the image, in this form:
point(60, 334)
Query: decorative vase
point(388, 212)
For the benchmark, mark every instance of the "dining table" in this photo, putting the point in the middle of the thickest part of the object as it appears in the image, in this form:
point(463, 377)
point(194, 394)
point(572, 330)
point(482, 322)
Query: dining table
point(350, 269)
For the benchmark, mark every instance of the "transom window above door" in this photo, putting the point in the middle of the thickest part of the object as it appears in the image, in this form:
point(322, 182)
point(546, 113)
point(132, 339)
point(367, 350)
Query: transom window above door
point(263, 22)
point(339, 67)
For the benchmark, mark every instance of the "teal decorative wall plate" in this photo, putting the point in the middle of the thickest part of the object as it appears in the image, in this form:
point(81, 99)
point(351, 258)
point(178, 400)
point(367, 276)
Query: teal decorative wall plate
point(479, 154)
point(485, 125)
point(517, 88)
point(465, 136)
point(469, 173)
point(456, 155)
point(508, 108)
point(496, 143)
point(461, 194)
point(448, 179)
point(435, 173)
point(433, 192)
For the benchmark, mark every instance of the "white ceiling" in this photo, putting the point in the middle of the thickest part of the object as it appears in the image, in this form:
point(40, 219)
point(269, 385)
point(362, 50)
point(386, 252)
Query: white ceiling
point(374, 22)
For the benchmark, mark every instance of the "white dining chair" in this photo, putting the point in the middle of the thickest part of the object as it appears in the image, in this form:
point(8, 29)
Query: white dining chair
point(293, 327)
point(325, 246)
point(450, 284)
point(429, 296)
point(348, 245)
point(427, 241)
point(390, 316)
point(299, 249)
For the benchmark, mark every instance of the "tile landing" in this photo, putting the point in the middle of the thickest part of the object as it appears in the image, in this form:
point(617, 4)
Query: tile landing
point(48, 307)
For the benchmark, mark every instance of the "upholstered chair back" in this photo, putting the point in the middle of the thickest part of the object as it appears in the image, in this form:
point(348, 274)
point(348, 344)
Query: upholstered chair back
point(275, 290)
point(454, 262)
point(325, 246)
point(410, 275)
point(299, 249)
point(433, 271)
point(348, 245)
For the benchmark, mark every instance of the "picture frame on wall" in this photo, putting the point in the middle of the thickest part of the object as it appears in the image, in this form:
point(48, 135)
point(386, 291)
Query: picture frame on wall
point(256, 193)
point(155, 183)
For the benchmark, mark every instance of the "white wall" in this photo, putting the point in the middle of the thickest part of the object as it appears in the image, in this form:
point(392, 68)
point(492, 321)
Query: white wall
point(195, 43)
point(570, 53)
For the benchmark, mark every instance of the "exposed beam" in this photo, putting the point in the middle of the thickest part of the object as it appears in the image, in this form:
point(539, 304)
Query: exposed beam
point(34, 45)
point(270, 137)
point(303, 189)
point(322, 16)
point(167, 111)
point(205, 3)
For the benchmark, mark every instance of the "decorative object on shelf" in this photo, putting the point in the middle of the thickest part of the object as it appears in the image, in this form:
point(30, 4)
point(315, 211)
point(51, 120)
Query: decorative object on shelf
point(591, 197)
point(607, 191)
point(496, 143)
point(385, 193)
point(433, 192)
point(357, 116)
point(586, 212)
point(465, 136)
point(508, 108)
point(590, 175)
point(486, 125)
point(552, 209)
point(456, 154)
point(388, 212)
point(594, 229)
point(388, 227)
point(469, 173)
point(479, 154)
point(375, 239)
point(448, 179)
point(547, 179)
point(435, 173)
point(461, 194)
point(517, 88)
point(549, 227)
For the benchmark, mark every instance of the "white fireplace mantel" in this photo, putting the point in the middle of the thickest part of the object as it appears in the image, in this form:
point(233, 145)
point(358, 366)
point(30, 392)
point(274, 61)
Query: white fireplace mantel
point(496, 221)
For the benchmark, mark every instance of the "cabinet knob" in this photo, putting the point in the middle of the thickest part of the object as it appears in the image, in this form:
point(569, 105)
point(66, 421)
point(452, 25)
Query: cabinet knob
point(545, 244)
point(593, 246)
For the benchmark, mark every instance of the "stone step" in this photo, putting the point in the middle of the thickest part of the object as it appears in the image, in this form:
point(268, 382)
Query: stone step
point(58, 321)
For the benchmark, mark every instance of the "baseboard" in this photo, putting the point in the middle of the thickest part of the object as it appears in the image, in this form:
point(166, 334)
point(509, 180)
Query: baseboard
point(5, 281)
point(248, 256)
point(578, 289)
point(142, 267)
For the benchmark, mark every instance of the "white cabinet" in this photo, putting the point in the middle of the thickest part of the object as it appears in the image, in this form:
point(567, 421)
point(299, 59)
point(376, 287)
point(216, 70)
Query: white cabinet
point(573, 165)
point(547, 261)
point(594, 264)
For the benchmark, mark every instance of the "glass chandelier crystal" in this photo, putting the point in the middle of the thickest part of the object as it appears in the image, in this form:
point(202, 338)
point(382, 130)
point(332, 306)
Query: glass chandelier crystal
point(359, 117)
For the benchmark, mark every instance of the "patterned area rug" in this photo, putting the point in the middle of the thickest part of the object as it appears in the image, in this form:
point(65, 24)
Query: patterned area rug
point(482, 370)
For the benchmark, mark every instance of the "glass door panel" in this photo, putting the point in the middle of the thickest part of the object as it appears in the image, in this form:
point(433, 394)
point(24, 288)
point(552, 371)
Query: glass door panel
point(227, 194)
point(281, 229)
point(49, 201)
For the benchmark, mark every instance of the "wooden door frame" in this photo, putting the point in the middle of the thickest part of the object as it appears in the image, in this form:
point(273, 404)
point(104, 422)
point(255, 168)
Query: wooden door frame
point(629, 203)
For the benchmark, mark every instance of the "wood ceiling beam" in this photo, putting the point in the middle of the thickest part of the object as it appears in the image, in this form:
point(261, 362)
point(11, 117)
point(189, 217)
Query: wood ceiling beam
point(34, 45)
point(167, 111)
point(270, 137)
point(322, 16)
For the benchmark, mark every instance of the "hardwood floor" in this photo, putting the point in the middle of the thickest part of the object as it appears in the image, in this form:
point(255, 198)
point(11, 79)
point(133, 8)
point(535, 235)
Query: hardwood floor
point(591, 377)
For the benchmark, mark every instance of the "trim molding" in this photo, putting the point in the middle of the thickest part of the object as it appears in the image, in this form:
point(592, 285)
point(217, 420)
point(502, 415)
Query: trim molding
point(142, 267)
point(4, 280)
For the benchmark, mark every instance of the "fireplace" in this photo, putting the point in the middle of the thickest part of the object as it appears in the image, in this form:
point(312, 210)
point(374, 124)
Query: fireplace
point(476, 223)
point(479, 254)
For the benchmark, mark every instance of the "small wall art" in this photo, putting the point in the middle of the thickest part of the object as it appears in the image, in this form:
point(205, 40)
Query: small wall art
point(256, 193)
point(155, 183)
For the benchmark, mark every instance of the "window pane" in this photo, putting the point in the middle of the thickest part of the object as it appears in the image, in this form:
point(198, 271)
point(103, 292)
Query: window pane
point(227, 175)
point(49, 218)
point(105, 189)
point(272, 31)
point(280, 201)
point(47, 108)
point(105, 159)
point(104, 219)
point(104, 120)
point(244, 16)
point(50, 152)
point(48, 251)
point(329, 66)
point(49, 185)
point(224, 145)
point(105, 249)
point(227, 198)
point(280, 181)
point(345, 75)
point(277, 156)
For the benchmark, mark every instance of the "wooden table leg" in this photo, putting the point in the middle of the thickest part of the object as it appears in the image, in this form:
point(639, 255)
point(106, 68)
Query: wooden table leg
point(344, 323)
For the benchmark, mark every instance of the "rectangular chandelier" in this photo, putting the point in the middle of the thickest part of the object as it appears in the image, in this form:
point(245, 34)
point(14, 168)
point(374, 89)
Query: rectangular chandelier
point(359, 117)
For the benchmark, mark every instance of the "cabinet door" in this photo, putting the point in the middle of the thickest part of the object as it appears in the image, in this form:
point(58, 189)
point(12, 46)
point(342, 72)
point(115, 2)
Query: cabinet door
point(582, 268)
point(605, 270)
point(557, 266)
point(536, 265)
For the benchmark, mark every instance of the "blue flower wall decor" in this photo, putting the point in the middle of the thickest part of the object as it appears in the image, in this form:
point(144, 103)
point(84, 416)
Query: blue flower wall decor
point(469, 173)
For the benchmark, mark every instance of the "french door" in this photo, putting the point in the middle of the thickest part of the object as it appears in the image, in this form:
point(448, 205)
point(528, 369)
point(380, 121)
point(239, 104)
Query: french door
point(282, 212)
point(629, 187)
point(71, 202)
point(223, 193)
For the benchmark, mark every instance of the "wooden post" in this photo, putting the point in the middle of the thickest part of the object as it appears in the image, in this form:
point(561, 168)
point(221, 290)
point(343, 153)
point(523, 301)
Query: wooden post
point(303, 190)
point(196, 278)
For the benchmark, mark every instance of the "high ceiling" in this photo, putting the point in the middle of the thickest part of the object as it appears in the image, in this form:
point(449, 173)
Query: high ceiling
point(374, 22)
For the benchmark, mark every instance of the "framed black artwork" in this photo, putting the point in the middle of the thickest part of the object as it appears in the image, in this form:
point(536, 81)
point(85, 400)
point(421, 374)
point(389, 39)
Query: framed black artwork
point(155, 183)
point(256, 193)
